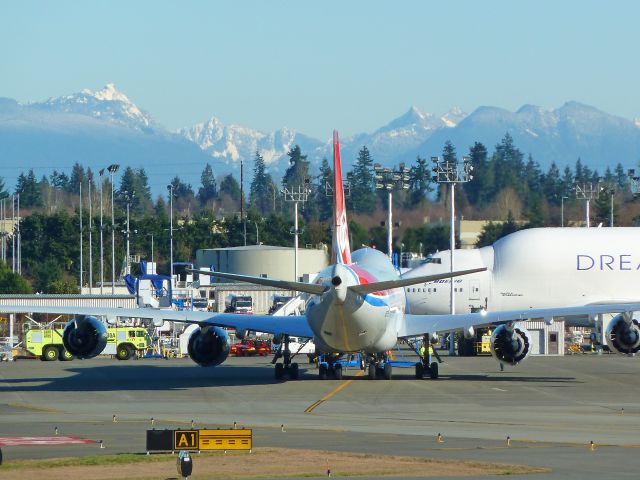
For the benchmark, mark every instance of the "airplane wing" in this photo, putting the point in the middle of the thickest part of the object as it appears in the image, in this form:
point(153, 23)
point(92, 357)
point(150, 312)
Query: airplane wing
point(420, 324)
point(365, 288)
point(295, 325)
point(311, 288)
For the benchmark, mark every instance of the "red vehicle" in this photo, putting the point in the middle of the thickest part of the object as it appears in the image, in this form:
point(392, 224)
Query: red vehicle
point(249, 348)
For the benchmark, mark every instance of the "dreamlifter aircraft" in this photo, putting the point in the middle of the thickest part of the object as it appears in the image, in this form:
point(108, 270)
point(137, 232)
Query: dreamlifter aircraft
point(356, 305)
point(542, 273)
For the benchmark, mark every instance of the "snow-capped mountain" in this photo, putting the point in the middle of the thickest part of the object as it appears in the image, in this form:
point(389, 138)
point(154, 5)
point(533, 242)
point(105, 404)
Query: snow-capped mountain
point(232, 142)
point(108, 104)
point(402, 134)
point(97, 128)
point(561, 135)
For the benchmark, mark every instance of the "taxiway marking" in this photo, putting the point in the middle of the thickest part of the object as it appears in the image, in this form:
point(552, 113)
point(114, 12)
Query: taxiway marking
point(15, 441)
point(340, 387)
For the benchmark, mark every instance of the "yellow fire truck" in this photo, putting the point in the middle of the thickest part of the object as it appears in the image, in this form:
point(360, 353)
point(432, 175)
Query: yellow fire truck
point(123, 342)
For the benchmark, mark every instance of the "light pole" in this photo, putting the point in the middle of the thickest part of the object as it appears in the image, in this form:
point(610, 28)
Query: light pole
point(113, 168)
point(449, 171)
point(562, 199)
point(152, 261)
point(128, 196)
point(257, 233)
point(81, 279)
point(587, 192)
point(299, 195)
point(170, 189)
point(90, 242)
point(389, 179)
point(101, 237)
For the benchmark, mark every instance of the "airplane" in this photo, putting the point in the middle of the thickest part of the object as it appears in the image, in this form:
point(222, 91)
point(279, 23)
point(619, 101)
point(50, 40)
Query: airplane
point(544, 269)
point(355, 305)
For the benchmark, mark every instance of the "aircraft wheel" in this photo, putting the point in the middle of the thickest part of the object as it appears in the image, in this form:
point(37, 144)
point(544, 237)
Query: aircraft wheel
point(50, 354)
point(372, 371)
point(279, 372)
point(434, 370)
point(293, 371)
point(419, 371)
point(337, 371)
point(322, 372)
point(388, 371)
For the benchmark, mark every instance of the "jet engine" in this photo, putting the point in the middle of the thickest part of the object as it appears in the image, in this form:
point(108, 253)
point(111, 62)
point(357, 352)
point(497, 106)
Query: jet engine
point(209, 346)
point(510, 344)
point(623, 334)
point(85, 337)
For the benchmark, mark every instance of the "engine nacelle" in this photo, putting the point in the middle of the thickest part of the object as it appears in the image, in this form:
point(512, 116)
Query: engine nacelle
point(85, 337)
point(510, 345)
point(623, 334)
point(209, 346)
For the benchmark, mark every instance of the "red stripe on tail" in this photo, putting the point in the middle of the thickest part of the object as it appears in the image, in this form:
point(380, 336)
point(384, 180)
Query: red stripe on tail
point(341, 248)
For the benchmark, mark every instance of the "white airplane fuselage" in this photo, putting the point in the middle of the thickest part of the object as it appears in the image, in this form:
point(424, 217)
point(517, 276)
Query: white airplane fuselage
point(535, 268)
point(344, 321)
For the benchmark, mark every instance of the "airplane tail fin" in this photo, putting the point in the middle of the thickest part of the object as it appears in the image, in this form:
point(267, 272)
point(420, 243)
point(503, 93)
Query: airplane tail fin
point(341, 247)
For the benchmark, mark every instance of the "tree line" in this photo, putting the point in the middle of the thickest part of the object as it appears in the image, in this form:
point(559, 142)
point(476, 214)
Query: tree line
point(507, 187)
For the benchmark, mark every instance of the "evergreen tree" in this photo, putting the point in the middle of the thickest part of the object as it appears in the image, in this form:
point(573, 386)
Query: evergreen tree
point(77, 177)
point(59, 180)
point(622, 180)
point(229, 186)
point(480, 187)
point(419, 182)
point(568, 183)
point(12, 283)
point(262, 187)
point(553, 185)
point(324, 191)
point(28, 188)
point(135, 182)
point(508, 165)
point(209, 189)
point(362, 192)
point(297, 175)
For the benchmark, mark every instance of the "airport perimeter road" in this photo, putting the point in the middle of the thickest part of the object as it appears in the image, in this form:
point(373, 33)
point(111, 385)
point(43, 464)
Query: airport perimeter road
point(551, 408)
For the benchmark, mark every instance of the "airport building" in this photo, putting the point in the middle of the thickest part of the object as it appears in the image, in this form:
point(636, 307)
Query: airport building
point(264, 260)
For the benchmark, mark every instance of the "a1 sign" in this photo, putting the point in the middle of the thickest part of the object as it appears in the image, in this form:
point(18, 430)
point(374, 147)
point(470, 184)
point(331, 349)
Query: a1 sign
point(186, 439)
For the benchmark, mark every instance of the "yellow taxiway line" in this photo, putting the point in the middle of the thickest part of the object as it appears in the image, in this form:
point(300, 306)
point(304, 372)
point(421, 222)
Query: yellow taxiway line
point(333, 392)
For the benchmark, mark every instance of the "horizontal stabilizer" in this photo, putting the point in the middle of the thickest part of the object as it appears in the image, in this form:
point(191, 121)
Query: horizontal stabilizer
point(404, 282)
point(303, 287)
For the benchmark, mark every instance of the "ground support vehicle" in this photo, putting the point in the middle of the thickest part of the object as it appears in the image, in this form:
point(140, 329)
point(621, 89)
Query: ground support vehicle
point(335, 364)
point(239, 304)
point(249, 348)
point(123, 342)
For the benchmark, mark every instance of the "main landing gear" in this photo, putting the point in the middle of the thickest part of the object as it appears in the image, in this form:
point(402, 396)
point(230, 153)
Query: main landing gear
point(286, 368)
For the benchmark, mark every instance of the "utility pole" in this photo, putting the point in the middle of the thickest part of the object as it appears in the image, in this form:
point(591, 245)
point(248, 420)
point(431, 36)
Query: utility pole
point(562, 199)
point(296, 195)
point(113, 168)
point(389, 180)
point(449, 172)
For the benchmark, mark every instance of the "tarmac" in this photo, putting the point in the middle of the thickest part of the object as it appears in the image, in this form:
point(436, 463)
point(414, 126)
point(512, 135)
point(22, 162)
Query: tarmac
point(551, 408)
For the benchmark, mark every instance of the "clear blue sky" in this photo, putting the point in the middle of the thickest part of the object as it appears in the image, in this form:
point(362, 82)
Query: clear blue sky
point(315, 66)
